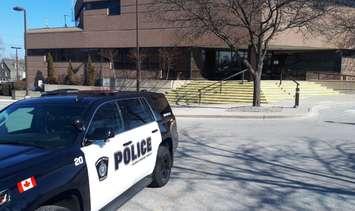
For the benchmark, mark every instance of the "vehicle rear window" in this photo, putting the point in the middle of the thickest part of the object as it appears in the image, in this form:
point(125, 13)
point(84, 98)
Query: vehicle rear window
point(160, 103)
point(134, 113)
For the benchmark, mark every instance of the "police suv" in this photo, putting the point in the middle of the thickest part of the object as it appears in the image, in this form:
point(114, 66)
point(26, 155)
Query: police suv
point(82, 150)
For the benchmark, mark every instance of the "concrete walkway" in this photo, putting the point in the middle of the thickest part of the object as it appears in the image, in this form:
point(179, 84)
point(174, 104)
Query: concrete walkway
point(243, 112)
point(309, 107)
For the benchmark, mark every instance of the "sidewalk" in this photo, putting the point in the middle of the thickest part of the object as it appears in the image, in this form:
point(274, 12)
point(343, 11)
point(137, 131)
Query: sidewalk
point(309, 107)
point(241, 112)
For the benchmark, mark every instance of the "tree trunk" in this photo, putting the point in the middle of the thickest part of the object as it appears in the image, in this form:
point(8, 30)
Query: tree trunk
point(257, 91)
point(252, 55)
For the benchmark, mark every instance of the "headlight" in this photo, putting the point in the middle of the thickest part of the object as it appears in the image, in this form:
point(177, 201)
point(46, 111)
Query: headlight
point(4, 197)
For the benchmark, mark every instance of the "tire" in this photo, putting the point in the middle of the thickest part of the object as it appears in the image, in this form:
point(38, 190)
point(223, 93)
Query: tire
point(162, 170)
point(52, 208)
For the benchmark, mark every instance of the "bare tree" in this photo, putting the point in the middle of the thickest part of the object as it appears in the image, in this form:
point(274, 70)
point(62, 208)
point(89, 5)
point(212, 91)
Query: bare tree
point(168, 59)
point(339, 26)
point(242, 22)
point(144, 54)
point(110, 55)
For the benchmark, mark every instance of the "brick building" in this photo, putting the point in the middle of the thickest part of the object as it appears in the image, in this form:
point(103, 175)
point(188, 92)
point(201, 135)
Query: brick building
point(105, 31)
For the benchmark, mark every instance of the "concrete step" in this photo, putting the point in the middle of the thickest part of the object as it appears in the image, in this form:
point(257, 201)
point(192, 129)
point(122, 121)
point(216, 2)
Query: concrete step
point(213, 96)
point(215, 102)
point(223, 92)
point(235, 92)
point(215, 99)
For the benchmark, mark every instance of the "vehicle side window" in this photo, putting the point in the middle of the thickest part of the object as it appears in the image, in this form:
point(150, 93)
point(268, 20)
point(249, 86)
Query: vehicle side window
point(160, 104)
point(107, 116)
point(135, 114)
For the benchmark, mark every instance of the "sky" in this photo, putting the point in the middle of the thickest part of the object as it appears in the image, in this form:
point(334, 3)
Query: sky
point(40, 13)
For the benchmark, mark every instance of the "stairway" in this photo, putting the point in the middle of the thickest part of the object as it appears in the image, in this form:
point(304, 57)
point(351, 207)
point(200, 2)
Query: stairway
point(307, 89)
point(232, 92)
point(272, 91)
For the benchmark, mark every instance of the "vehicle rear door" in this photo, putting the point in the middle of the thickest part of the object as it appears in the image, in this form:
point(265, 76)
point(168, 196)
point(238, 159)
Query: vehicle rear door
point(143, 136)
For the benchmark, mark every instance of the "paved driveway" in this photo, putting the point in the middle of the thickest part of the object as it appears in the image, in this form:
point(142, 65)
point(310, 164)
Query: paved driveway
point(226, 164)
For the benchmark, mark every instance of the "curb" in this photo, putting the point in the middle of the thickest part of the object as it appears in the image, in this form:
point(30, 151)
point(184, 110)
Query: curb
point(312, 112)
point(263, 117)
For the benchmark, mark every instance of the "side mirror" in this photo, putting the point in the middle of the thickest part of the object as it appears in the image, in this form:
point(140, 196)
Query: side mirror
point(101, 134)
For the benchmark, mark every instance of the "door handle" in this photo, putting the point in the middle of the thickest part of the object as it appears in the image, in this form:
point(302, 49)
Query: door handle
point(154, 131)
point(127, 144)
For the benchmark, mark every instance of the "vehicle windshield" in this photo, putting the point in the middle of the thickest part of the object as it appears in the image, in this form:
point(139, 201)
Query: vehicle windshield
point(43, 125)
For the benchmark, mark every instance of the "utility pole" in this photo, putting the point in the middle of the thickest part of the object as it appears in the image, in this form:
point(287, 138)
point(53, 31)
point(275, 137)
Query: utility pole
point(17, 63)
point(138, 50)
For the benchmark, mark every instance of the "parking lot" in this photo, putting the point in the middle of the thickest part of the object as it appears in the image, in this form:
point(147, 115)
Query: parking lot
point(229, 164)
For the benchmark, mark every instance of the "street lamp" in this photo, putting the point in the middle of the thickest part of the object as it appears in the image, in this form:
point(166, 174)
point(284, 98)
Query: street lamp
point(65, 21)
point(21, 9)
point(17, 63)
point(139, 75)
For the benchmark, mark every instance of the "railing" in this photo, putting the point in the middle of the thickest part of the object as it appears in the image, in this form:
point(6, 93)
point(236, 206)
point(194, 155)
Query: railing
point(220, 84)
point(337, 76)
point(297, 95)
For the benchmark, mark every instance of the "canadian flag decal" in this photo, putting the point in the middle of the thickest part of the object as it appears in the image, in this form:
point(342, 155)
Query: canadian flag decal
point(26, 184)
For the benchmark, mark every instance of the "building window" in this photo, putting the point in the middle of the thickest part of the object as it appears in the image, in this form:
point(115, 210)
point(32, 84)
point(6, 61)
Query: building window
point(150, 60)
point(113, 6)
point(230, 61)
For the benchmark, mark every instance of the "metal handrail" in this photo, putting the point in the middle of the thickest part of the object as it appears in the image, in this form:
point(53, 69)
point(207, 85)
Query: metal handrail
point(220, 83)
point(296, 82)
point(297, 92)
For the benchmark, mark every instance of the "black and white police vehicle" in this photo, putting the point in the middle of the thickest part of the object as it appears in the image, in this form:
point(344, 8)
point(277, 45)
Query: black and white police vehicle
point(82, 150)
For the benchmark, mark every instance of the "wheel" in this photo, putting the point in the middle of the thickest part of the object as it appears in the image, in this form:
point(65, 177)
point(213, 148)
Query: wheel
point(69, 204)
point(162, 170)
point(52, 208)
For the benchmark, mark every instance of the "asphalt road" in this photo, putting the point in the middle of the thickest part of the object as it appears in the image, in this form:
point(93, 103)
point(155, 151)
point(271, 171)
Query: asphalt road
point(289, 164)
point(226, 164)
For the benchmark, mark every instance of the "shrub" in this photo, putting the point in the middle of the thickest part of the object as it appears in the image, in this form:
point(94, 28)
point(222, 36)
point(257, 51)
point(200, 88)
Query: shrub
point(71, 79)
point(51, 79)
point(91, 73)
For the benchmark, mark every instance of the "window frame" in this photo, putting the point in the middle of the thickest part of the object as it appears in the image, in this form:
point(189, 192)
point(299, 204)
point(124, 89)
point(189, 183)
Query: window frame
point(116, 101)
point(148, 108)
point(97, 109)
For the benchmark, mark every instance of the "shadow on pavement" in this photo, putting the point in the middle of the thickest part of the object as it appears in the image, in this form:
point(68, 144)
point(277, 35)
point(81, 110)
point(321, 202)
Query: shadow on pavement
point(270, 176)
point(343, 123)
